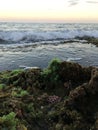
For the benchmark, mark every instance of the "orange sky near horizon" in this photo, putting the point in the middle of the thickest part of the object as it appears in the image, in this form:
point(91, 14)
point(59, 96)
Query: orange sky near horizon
point(48, 11)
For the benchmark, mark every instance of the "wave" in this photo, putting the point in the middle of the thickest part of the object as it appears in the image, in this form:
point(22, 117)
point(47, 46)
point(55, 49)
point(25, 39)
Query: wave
point(73, 59)
point(31, 36)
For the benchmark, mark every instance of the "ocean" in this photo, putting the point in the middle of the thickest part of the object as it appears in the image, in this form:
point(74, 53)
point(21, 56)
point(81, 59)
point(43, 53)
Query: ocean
point(35, 44)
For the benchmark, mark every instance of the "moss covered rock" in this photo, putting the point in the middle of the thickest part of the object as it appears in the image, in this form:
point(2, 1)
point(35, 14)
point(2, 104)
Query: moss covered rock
point(62, 97)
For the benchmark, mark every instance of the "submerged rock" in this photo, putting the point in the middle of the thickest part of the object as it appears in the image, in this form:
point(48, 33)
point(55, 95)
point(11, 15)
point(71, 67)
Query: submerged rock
point(91, 40)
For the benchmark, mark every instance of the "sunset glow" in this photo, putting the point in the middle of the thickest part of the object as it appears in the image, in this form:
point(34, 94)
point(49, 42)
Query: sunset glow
point(48, 11)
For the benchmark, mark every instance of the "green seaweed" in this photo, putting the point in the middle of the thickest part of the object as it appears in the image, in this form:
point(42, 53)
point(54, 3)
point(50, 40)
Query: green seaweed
point(19, 92)
point(51, 74)
point(9, 121)
point(2, 86)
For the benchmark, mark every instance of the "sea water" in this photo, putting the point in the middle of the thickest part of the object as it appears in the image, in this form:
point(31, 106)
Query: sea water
point(35, 44)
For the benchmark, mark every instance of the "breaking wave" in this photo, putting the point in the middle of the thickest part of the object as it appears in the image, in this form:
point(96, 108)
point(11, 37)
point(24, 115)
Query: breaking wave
point(32, 36)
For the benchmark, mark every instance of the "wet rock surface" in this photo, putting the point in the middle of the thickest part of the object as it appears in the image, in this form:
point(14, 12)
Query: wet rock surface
point(91, 40)
point(64, 96)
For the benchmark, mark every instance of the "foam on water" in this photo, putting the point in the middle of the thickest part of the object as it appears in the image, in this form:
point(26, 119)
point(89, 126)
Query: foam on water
point(73, 59)
point(26, 33)
point(14, 36)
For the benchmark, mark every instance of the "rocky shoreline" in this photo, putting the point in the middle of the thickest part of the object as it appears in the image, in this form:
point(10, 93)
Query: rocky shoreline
point(91, 40)
point(64, 96)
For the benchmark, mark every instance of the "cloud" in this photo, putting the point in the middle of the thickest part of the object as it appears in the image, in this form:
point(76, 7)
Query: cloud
point(75, 2)
point(92, 2)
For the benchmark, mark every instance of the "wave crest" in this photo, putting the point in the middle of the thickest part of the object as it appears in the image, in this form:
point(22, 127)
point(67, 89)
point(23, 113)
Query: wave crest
point(30, 36)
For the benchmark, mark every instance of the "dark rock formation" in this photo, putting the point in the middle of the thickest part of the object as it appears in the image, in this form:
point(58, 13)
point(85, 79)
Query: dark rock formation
point(92, 40)
point(63, 97)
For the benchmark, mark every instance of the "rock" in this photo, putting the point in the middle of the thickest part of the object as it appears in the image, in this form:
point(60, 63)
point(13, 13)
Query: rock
point(65, 98)
point(58, 126)
point(74, 72)
point(93, 83)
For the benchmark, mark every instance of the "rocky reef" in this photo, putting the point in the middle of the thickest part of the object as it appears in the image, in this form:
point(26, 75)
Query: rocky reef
point(89, 39)
point(64, 96)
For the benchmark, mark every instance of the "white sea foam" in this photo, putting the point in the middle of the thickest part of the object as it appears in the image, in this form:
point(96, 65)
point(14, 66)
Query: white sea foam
point(26, 33)
point(73, 59)
point(30, 36)
point(28, 67)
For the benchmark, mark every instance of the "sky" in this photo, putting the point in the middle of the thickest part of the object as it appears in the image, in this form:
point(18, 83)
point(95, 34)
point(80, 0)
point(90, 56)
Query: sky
point(49, 10)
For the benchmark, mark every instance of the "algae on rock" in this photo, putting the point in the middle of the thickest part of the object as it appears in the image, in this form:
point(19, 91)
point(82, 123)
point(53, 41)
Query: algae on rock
point(62, 97)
